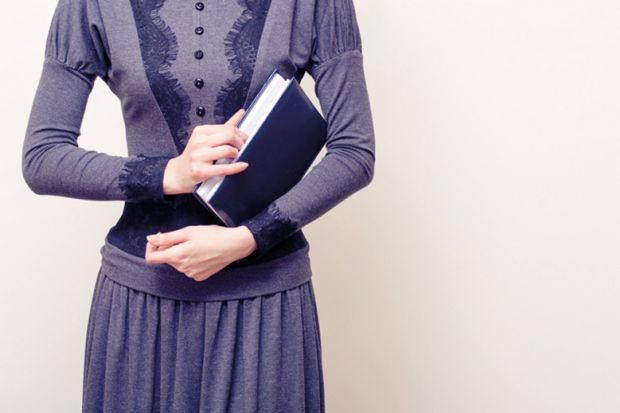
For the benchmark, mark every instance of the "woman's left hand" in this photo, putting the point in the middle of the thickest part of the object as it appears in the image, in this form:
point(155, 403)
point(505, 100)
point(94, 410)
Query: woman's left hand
point(200, 251)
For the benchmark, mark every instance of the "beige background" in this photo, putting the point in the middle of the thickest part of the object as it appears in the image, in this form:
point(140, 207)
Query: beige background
point(477, 273)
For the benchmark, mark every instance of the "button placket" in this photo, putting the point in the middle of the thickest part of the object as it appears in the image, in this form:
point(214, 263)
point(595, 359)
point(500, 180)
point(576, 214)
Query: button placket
point(198, 55)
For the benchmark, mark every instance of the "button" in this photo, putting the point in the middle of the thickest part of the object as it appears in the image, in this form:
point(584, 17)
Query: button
point(200, 5)
point(198, 54)
point(199, 83)
point(200, 111)
point(199, 30)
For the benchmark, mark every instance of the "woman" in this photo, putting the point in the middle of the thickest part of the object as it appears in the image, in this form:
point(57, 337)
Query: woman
point(187, 315)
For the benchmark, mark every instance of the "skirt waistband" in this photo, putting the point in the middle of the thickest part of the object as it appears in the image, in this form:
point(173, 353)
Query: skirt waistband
point(234, 283)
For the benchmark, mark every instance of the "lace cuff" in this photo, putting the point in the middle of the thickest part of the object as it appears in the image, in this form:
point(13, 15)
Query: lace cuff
point(269, 227)
point(142, 178)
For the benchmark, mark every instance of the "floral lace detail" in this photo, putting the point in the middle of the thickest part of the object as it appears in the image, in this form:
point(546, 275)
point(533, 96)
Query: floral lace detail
point(159, 48)
point(241, 49)
point(269, 227)
point(142, 178)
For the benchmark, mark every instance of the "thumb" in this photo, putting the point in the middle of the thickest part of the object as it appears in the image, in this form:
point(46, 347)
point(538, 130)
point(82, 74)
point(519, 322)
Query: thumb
point(167, 239)
point(234, 119)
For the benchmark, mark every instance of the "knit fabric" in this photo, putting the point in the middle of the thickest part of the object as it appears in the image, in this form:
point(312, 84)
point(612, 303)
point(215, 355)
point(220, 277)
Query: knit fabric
point(247, 338)
point(175, 65)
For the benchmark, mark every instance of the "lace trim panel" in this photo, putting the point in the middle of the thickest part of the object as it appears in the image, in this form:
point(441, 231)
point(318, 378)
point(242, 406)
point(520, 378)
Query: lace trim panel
point(241, 48)
point(159, 48)
point(269, 227)
point(142, 178)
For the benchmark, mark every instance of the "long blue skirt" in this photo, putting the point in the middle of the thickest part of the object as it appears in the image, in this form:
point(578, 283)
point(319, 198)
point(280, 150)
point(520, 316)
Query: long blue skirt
point(145, 353)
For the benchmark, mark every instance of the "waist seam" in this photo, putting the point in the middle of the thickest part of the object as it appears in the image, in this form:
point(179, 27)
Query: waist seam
point(231, 283)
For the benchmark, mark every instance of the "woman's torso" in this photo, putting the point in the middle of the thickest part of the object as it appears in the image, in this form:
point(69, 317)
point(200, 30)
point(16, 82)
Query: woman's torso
point(176, 64)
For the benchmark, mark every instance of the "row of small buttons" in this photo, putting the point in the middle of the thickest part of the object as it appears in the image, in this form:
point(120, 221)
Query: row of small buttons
point(198, 54)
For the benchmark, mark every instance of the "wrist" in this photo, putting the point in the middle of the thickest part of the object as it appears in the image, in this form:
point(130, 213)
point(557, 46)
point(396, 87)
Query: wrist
point(248, 244)
point(171, 184)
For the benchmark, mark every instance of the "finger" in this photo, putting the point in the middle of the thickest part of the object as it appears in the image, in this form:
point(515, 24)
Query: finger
point(152, 255)
point(208, 154)
point(224, 136)
point(164, 255)
point(166, 239)
point(226, 169)
point(220, 136)
point(206, 171)
point(151, 246)
point(234, 119)
point(149, 250)
point(200, 132)
point(244, 136)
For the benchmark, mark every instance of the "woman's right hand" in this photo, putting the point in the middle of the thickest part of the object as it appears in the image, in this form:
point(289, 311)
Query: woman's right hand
point(207, 144)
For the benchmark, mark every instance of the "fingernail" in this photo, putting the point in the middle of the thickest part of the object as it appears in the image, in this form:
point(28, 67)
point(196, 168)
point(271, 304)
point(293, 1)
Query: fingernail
point(151, 236)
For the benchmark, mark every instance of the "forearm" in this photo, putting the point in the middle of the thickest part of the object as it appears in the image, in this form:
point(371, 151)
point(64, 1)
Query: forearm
point(54, 164)
point(330, 182)
point(347, 166)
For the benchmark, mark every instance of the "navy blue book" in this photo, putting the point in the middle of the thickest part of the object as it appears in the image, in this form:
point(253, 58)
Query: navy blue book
point(285, 135)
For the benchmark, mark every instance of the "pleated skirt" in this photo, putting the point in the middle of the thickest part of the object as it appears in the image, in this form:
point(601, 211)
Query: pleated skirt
point(146, 353)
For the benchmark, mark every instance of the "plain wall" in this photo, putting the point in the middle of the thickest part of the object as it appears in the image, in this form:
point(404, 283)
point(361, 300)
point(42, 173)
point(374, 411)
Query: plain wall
point(477, 273)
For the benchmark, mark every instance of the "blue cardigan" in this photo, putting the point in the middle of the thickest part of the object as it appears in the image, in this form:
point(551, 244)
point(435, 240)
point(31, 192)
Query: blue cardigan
point(177, 64)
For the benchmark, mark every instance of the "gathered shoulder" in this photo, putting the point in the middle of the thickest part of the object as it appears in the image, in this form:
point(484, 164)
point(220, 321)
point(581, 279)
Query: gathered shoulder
point(76, 37)
point(335, 31)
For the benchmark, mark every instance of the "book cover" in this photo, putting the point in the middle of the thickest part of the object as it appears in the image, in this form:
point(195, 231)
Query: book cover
point(286, 133)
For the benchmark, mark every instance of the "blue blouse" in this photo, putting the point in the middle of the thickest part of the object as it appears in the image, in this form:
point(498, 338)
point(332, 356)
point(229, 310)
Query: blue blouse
point(176, 64)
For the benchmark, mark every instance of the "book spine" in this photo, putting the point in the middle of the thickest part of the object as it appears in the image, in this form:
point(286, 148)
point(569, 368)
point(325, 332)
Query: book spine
point(207, 205)
point(274, 72)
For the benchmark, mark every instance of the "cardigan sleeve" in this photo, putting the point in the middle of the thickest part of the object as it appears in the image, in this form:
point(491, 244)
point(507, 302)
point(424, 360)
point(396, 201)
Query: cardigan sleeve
point(336, 65)
point(76, 54)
